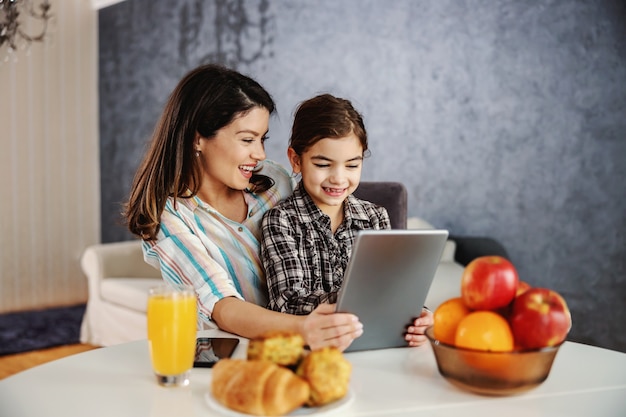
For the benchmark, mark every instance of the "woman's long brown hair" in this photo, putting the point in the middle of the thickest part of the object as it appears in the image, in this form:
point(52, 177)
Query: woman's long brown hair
point(204, 101)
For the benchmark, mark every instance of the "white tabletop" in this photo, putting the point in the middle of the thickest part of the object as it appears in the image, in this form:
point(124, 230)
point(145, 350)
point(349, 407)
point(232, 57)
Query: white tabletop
point(117, 381)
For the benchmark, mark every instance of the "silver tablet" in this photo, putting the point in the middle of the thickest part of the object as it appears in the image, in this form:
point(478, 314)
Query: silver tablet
point(387, 281)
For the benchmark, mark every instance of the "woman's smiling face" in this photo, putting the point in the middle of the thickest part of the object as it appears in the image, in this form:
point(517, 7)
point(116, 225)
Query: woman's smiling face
point(229, 157)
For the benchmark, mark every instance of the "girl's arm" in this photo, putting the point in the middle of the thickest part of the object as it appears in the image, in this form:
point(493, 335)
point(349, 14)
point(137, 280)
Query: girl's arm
point(415, 333)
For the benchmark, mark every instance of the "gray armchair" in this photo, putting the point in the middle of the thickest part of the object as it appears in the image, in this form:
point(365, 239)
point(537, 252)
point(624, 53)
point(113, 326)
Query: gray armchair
point(390, 195)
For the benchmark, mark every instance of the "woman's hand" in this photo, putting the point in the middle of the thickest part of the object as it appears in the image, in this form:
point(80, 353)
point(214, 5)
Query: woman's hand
point(415, 333)
point(323, 327)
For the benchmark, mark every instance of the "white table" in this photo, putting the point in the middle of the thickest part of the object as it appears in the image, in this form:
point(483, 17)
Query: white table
point(117, 381)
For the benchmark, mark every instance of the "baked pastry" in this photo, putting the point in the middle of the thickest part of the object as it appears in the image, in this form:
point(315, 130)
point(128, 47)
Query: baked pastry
point(281, 348)
point(257, 387)
point(328, 373)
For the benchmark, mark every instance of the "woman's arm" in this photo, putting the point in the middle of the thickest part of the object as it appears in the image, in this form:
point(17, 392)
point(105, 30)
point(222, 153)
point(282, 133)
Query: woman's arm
point(232, 314)
point(323, 327)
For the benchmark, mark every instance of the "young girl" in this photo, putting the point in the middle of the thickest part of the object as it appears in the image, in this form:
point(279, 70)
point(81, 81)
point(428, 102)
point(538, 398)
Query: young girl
point(197, 202)
point(308, 238)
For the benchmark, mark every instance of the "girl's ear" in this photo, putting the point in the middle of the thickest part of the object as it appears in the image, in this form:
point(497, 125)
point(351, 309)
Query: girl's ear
point(294, 159)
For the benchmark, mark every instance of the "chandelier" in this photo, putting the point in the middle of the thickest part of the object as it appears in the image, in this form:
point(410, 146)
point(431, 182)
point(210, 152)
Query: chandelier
point(13, 14)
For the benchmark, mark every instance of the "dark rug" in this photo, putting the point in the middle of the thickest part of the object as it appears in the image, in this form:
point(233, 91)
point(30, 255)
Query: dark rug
point(32, 330)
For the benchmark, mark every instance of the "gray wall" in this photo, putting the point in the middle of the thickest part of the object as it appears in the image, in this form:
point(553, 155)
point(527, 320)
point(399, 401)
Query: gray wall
point(503, 118)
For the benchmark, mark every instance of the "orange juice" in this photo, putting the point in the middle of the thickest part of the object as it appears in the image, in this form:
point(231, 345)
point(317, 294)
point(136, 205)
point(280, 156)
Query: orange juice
point(172, 330)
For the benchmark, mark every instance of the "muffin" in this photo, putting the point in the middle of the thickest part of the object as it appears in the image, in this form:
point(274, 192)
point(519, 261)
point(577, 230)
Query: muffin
point(282, 348)
point(328, 373)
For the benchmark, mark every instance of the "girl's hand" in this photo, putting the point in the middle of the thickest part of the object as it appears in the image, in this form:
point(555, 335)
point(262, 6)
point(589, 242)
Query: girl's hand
point(415, 333)
point(323, 327)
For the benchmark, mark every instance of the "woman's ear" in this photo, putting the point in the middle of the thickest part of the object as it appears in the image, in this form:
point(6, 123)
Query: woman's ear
point(294, 159)
point(197, 142)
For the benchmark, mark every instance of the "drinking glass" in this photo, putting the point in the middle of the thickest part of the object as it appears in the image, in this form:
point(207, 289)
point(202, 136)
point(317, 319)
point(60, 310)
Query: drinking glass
point(172, 333)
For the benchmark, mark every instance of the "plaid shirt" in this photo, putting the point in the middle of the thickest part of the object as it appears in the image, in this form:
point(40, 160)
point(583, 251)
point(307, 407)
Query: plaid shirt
point(304, 262)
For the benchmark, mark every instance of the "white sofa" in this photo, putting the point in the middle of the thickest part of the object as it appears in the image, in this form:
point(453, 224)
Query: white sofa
point(119, 279)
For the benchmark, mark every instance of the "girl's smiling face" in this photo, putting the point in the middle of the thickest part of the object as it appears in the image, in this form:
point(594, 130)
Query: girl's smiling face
point(331, 170)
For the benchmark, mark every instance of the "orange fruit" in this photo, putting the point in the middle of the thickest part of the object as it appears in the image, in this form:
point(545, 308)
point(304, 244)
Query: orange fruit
point(491, 336)
point(484, 330)
point(446, 319)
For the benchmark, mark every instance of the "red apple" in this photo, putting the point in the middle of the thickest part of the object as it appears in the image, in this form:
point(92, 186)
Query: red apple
point(488, 283)
point(540, 318)
point(521, 287)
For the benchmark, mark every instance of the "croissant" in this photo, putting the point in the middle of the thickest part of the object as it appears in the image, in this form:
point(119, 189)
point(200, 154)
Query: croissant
point(257, 387)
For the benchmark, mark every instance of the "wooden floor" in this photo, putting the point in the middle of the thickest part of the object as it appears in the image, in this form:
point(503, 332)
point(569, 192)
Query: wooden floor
point(12, 364)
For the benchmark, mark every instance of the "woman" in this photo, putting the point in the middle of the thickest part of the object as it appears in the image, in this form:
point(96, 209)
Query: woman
point(197, 202)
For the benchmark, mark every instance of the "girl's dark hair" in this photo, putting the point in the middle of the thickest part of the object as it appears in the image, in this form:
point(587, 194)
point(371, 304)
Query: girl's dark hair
point(325, 116)
point(204, 101)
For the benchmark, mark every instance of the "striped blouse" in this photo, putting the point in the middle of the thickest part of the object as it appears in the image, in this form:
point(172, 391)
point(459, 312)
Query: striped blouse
point(219, 257)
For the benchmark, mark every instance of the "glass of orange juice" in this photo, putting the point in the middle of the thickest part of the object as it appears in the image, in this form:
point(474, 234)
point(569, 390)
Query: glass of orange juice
point(172, 333)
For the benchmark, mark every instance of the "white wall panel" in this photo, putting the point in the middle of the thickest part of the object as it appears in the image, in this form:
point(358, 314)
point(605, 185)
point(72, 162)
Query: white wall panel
point(49, 172)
